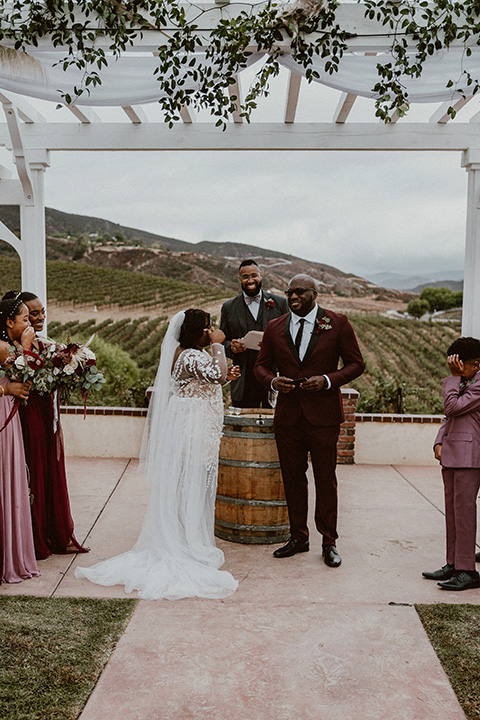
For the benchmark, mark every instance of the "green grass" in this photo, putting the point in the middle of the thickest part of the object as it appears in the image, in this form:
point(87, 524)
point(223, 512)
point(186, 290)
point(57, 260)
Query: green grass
point(454, 631)
point(52, 651)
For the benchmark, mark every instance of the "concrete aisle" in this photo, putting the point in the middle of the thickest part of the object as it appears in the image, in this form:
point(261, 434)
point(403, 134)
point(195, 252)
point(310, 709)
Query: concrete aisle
point(298, 639)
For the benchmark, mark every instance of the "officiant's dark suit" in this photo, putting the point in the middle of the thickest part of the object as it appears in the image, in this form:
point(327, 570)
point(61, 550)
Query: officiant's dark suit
point(307, 418)
point(237, 318)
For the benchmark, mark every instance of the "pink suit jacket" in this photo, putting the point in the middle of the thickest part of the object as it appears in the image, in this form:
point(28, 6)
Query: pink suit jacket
point(459, 433)
point(325, 349)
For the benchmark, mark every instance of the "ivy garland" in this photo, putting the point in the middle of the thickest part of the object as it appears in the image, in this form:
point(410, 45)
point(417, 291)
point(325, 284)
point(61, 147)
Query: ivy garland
point(195, 73)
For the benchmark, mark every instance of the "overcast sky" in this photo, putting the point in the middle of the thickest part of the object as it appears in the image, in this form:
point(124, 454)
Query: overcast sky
point(360, 212)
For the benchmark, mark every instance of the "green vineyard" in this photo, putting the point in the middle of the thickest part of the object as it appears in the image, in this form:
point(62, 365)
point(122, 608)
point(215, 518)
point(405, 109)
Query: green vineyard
point(85, 284)
point(404, 354)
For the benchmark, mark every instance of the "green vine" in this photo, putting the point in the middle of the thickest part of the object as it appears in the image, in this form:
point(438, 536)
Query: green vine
point(194, 70)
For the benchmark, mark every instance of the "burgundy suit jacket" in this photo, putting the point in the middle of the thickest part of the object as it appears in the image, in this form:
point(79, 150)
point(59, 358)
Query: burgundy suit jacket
point(322, 358)
point(459, 433)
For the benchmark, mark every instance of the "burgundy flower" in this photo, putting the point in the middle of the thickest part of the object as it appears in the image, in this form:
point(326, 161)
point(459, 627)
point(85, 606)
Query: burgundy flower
point(270, 303)
point(323, 324)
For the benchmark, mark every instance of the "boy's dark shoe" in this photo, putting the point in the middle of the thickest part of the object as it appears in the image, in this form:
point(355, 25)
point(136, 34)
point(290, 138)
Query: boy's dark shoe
point(462, 580)
point(445, 573)
point(477, 557)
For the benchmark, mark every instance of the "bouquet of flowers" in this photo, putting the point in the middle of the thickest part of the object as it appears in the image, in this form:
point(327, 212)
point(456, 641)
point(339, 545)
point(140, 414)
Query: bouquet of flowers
point(74, 368)
point(54, 366)
point(23, 366)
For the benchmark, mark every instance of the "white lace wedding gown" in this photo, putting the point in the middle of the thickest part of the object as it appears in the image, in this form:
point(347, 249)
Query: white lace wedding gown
point(175, 555)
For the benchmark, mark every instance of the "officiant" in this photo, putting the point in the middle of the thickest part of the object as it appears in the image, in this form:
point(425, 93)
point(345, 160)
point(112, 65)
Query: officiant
point(251, 310)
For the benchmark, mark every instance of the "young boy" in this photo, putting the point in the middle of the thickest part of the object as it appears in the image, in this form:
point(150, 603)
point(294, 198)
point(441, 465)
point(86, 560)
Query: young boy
point(457, 447)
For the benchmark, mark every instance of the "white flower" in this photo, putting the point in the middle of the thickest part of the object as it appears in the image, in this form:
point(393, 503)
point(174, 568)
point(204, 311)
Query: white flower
point(56, 371)
point(20, 362)
point(69, 369)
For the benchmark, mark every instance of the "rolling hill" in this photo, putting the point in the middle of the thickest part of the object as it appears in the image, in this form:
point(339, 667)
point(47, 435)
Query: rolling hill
point(205, 263)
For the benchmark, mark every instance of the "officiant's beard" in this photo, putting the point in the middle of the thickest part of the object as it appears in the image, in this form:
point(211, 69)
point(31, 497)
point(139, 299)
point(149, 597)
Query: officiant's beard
point(251, 292)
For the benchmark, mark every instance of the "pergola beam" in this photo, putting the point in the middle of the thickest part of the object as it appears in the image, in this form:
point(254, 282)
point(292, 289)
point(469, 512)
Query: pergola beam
point(135, 114)
point(234, 93)
point(441, 115)
point(345, 104)
point(25, 110)
point(365, 34)
point(257, 136)
point(85, 114)
point(294, 83)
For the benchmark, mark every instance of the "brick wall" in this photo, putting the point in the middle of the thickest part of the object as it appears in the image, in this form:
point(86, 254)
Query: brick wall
point(346, 440)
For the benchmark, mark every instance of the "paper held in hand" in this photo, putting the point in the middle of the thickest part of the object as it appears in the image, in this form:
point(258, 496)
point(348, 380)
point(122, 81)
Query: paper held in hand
point(253, 339)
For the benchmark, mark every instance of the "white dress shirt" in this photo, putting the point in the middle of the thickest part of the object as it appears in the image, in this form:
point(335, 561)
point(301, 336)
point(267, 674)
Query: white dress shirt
point(308, 328)
point(254, 306)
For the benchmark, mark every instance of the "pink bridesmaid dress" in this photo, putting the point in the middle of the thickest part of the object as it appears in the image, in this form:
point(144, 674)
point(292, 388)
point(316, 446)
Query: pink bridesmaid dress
point(17, 553)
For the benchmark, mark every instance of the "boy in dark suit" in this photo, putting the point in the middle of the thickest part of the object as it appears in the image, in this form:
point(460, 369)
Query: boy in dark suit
point(457, 447)
point(251, 310)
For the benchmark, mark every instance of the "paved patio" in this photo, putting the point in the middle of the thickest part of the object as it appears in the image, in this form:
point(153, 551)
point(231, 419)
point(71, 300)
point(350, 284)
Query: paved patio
point(298, 639)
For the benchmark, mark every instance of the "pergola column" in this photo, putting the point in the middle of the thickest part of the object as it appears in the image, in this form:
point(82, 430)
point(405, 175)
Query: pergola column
point(32, 228)
point(471, 285)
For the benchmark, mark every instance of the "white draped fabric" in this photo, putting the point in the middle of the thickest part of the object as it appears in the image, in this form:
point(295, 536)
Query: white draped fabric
point(130, 79)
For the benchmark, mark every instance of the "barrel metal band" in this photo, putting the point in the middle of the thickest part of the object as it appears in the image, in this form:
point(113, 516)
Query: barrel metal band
point(252, 503)
point(252, 539)
point(249, 463)
point(249, 435)
point(254, 528)
point(259, 422)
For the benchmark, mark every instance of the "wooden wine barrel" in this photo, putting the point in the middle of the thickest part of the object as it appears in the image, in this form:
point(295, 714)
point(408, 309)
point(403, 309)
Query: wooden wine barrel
point(251, 506)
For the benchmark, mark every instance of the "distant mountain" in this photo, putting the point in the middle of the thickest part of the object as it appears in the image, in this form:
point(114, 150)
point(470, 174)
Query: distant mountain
point(454, 285)
point(397, 281)
point(206, 263)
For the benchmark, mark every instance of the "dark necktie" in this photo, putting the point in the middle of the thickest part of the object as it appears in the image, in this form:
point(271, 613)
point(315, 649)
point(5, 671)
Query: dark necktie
point(298, 339)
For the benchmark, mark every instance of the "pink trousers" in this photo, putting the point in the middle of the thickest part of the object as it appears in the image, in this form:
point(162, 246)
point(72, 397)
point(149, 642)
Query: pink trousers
point(461, 489)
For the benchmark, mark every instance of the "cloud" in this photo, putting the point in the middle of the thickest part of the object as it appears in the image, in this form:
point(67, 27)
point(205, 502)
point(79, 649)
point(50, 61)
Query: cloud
point(361, 212)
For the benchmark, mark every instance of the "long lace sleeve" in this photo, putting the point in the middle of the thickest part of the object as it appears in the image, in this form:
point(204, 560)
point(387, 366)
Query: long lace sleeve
point(201, 366)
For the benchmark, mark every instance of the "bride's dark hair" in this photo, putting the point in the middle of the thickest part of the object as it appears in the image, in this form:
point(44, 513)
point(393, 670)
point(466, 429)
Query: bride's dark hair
point(192, 327)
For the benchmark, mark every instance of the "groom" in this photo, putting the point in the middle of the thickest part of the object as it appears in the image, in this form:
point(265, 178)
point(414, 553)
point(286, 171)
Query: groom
point(306, 346)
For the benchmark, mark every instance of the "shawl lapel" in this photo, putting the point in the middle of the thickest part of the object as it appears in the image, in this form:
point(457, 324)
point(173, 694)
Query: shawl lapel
point(314, 338)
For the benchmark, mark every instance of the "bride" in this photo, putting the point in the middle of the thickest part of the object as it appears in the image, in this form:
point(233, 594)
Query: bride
point(175, 555)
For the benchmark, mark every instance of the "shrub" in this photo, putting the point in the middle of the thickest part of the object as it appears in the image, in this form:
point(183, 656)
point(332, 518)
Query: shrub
point(417, 308)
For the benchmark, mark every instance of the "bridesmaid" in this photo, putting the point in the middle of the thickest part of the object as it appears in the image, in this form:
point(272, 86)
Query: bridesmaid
point(42, 436)
point(17, 553)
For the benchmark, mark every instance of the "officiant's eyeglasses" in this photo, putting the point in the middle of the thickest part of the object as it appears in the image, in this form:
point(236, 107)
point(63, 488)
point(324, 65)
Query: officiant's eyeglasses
point(297, 291)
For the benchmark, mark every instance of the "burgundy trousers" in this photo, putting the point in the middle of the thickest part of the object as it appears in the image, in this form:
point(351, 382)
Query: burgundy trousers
point(294, 442)
point(461, 489)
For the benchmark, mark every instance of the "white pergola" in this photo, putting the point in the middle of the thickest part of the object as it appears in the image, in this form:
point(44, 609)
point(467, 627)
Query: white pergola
point(31, 137)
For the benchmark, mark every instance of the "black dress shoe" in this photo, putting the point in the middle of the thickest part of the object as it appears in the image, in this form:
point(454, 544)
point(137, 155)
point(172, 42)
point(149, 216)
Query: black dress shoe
point(331, 556)
point(291, 548)
point(445, 573)
point(477, 557)
point(462, 580)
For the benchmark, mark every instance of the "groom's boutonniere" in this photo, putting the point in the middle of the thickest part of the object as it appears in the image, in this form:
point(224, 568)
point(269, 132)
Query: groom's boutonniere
point(323, 324)
point(269, 303)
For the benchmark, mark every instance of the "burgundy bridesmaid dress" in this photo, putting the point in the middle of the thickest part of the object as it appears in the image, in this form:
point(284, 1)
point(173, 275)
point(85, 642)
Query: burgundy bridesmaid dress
point(17, 553)
point(52, 520)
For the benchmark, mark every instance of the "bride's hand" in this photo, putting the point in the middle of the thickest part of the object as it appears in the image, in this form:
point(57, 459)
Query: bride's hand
point(215, 335)
point(233, 373)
